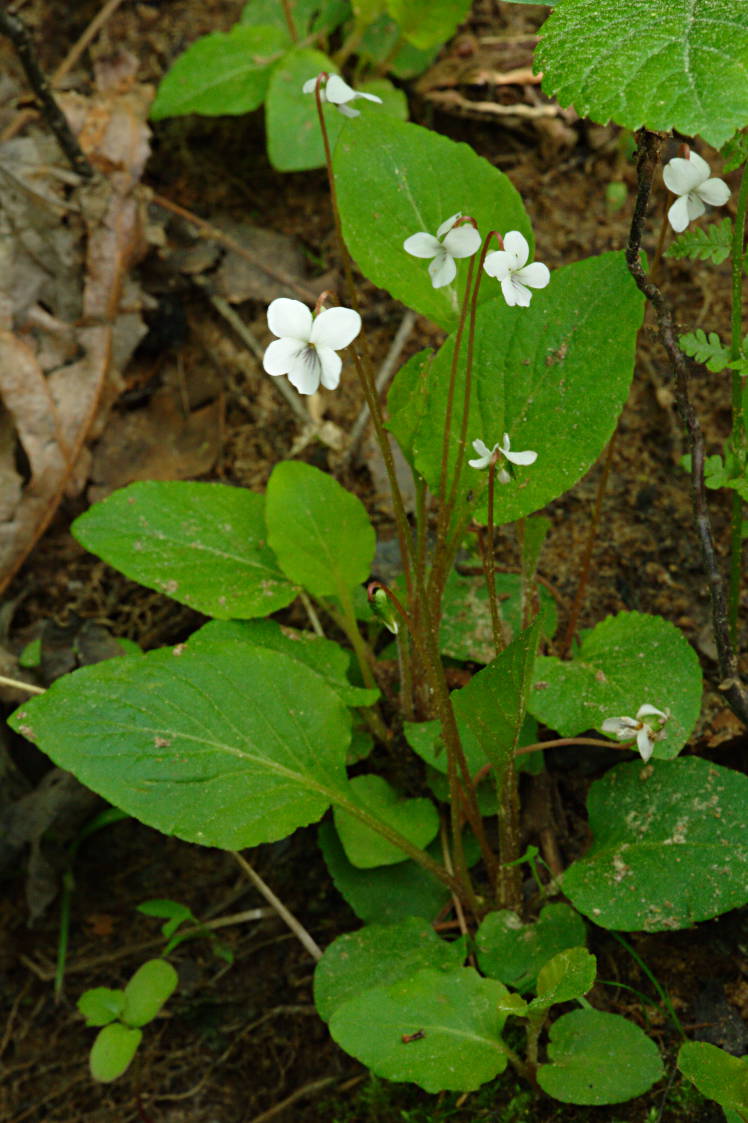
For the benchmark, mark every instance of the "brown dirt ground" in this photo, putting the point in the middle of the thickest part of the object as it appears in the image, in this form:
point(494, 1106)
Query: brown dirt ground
point(236, 1043)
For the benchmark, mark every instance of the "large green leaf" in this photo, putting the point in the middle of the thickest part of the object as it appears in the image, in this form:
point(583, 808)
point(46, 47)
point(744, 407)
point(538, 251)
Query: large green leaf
point(626, 661)
point(492, 706)
point(385, 894)
point(226, 749)
point(439, 1029)
point(670, 64)
point(466, 631)
point(396, 179)
point(670, 846)
point(203, 544)
point(716, 1074)
point(378, 955)
point(319, 531)
point(222, 73)
point(294, 137)
point(554, 376)
point(323, 656)
point(515, 952)
point(598, 1058)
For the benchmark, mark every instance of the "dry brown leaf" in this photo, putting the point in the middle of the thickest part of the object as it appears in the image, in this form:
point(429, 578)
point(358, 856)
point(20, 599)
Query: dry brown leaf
point(69, 310)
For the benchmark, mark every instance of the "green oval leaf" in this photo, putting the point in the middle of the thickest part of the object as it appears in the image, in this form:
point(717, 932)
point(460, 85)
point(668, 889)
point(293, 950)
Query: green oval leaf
point(396, 179)
point(386, 894)
point(666, 65)
point(515, 952)
point(670, 846)
point(320, 532)
point(378, 955)
point(415, 819)
point(112, 1051)
point(598, 1058)
point(323, 656)
point(569, 975)
point(424, 23)
point(203, 544)
point(452, 1020)
point(716, 1074)
point(624, 662)
point(146, 992)
point(100, 1005)
point(222, 73)
point(229, 749)
point(537, 377)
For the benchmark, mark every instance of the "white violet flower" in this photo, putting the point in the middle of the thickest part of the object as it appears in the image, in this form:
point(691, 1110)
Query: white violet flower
point(509, 266)
point(646, 732)
point(692, 181)
point(338, 93)
point(486, 455)
point(451, 242)
point(307, 347)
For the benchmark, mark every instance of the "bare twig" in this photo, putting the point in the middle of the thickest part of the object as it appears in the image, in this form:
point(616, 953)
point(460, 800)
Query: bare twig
point(18, 685)
point(287, 917)
point(67, 64)
point(15, 29)
point(731, 685)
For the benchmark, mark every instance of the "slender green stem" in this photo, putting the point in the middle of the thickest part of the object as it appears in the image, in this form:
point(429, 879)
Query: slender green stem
point(447, 434)
point(738, 436)
point(288, 16)
point(589, 548)
point(365, 373)
point(350, 626)
point(489, 564)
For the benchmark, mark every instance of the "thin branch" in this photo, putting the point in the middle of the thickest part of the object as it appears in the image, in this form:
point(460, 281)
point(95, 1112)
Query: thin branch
point(15, 29)
point(287, 917)
point(730, 684)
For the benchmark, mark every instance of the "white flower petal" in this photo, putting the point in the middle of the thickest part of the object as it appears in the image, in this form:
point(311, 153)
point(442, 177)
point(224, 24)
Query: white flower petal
point(482, 448)
point(700, 165)
point(447, 225)
point(282, 354)
point(677, 216)
point(528, 457)
point(305, 371)
point(714, 191)
point(694, 206)
point(289, 318)
point(310, 86)
point(370, 97)
point(516, 244)
point(521, 295)
point(621, 727)
point(644, 742)
point(330, 366)
point(535, 275)
point(509, 292)
point(348, 111)
point(650, 711)
point(422, 245)
point(338, 91)
point(681, 176)
point(498, 264)
point(335, 328)
point(442, 269)
point(503, 476)
point(463, 241)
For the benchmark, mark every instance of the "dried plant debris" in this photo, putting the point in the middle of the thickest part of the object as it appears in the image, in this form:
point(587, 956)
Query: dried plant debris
point(70, 312)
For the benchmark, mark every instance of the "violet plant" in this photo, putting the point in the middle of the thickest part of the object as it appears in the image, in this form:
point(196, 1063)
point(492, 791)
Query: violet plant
point(248, 730)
